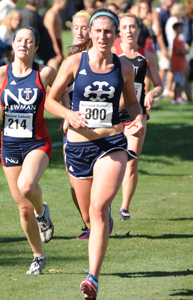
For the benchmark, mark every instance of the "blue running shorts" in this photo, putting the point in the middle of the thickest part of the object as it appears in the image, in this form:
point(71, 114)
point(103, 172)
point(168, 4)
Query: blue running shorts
point(13, 153)
point(81, 156)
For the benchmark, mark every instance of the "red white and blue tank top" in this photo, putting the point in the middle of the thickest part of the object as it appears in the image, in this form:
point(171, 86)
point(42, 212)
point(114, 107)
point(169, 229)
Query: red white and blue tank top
point(22, 101)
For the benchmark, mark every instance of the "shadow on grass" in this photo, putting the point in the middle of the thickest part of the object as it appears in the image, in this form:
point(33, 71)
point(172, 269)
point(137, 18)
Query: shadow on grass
point(21, 239)
point(12, 239)
point(151, 274)
point(183, 293)
point(158, 237)
point(181, 219)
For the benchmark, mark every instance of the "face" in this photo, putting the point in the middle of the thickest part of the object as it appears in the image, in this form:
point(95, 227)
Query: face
point(24, 43)
point(169, 3)
point(143, 10)
point(129, 30)
point(179, 29)
point(15, 22)
point(80, 29)
point(103, 33)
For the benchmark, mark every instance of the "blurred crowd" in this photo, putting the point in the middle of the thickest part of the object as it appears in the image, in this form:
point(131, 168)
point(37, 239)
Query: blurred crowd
point(166, 30)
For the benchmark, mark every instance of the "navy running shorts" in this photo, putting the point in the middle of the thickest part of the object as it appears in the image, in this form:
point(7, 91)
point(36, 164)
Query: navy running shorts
point(81, 156)
point(13, 153)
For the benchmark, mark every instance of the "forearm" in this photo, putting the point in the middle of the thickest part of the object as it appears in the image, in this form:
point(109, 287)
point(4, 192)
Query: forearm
point(56, 109)
point(135, 111)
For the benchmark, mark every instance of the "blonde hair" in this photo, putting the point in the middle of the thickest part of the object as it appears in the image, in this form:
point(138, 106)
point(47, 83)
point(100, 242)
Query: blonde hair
point(177, 10)
point(7, 20)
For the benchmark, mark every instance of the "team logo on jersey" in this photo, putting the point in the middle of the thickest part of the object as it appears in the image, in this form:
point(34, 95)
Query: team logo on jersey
point(83, 72)
point(71, 169)
point(12, 160)
point(20, 100)
point(135, 71)
point(99, 92)
point(13, 83)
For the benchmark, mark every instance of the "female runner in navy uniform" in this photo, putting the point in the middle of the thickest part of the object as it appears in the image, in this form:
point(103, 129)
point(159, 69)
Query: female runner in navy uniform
point(96, 150)
point(143, 61)
point(23, 89)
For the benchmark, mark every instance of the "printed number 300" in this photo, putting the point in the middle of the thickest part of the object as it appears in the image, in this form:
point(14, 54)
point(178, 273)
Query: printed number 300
point(95, 114)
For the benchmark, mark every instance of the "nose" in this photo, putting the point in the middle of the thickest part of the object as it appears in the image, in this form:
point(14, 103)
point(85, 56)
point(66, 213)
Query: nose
point(79, 30)
point(102, 34)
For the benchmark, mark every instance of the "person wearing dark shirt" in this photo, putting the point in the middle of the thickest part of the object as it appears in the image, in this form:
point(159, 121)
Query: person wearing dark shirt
point(31, 17)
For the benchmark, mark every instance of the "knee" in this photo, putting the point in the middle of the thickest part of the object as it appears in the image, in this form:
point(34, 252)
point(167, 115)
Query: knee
point(25, 189)
point(26, 211)
point(99, 210)
point(132, 167)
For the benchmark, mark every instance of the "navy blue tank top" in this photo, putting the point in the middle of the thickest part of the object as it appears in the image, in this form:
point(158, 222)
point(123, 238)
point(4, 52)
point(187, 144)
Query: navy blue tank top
point(22, 101)
point(97, 94)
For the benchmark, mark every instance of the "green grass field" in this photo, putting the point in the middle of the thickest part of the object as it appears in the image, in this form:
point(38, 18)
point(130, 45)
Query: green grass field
point(148, 258)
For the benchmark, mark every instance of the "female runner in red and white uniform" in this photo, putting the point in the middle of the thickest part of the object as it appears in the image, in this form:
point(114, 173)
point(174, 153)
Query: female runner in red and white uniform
point(25, 144)
point(143, 61)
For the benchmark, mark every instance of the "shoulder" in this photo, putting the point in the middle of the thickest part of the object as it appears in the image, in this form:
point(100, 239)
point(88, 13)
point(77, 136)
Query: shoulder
point(47, 75)
point(155, 13)
point(49, 15)
point(2, 75)
point(73, 61)
point(127, 68)
point(150, 58)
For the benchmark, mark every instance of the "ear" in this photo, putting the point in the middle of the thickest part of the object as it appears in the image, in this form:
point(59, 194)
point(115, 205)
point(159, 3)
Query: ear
point(89, 31)
point(36, 48)
point(12, 45)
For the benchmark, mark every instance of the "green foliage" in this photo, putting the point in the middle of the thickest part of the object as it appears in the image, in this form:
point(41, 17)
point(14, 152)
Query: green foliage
point(149, 257)
point(45, 4)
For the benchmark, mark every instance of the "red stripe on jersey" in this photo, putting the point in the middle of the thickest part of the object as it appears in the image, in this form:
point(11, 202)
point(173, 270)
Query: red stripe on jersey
point(5, 81)
point(40, 126)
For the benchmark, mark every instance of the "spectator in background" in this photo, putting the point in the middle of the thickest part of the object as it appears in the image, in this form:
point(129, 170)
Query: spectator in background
point(189, 57)
point(178, 62)
point(124, 7)
point(152, 16)
point(100, 3)
point(4, 49)
point(89, 6)
point(177, 13)
point(146, 16)
point(53, 23)
point(8, 26)
point(113, 7)
point(30, 16)
point(162, 52)
point(6, 6)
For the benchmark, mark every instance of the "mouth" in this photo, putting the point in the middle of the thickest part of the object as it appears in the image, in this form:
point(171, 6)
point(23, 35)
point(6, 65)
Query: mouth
point(129, 37)
point(102, 44)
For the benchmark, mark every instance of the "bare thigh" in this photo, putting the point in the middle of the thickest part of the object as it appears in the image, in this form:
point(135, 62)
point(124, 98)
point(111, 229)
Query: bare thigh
point(107, 177)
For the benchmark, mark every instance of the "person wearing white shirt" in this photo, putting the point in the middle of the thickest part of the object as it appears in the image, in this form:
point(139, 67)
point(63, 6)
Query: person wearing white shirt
point(6, 6)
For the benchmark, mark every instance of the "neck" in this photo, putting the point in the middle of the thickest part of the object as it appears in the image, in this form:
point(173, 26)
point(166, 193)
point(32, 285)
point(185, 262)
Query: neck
point(102, 58)
point(130, 47)
point(22, 67)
